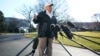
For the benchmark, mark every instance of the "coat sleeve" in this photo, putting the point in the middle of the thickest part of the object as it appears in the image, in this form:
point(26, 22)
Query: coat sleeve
point(39, 17)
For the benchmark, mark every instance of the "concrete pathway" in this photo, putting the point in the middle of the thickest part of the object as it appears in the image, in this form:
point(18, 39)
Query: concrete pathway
point(12, 47)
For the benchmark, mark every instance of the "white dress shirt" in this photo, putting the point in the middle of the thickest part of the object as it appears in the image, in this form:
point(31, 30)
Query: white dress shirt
point(49, 14)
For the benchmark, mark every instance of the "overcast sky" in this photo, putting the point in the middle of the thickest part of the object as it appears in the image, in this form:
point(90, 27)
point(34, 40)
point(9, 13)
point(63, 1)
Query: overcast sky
point(81, 10)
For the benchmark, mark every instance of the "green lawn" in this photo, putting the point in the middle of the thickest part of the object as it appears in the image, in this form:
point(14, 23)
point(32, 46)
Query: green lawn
point(70, 43)
point(30, 35)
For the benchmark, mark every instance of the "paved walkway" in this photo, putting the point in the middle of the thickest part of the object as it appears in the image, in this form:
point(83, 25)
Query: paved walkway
point(12, 47)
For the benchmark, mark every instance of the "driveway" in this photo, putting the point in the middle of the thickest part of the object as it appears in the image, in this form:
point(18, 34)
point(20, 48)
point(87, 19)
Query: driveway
point(12, 44)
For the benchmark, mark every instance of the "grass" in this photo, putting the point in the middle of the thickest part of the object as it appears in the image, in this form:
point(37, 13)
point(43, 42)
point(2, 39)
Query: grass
point(95, 34)
point(66, 41)
point(30, 35)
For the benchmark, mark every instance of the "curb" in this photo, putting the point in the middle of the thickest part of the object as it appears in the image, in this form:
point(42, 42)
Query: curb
point(8, 37)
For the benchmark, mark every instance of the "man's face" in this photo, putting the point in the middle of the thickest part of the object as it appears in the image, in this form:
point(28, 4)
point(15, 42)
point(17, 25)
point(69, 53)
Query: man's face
point(49, 8)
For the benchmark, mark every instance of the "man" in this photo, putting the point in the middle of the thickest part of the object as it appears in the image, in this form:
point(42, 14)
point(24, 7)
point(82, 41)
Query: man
point(48, 18)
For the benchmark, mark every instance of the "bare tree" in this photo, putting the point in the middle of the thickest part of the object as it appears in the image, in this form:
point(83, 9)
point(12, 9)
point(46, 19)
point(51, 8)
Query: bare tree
point(96, 18)
point(60, 9)
point(27, 11)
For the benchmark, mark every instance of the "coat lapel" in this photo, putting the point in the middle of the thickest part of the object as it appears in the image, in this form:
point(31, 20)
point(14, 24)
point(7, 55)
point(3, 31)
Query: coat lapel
point(46, 14)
